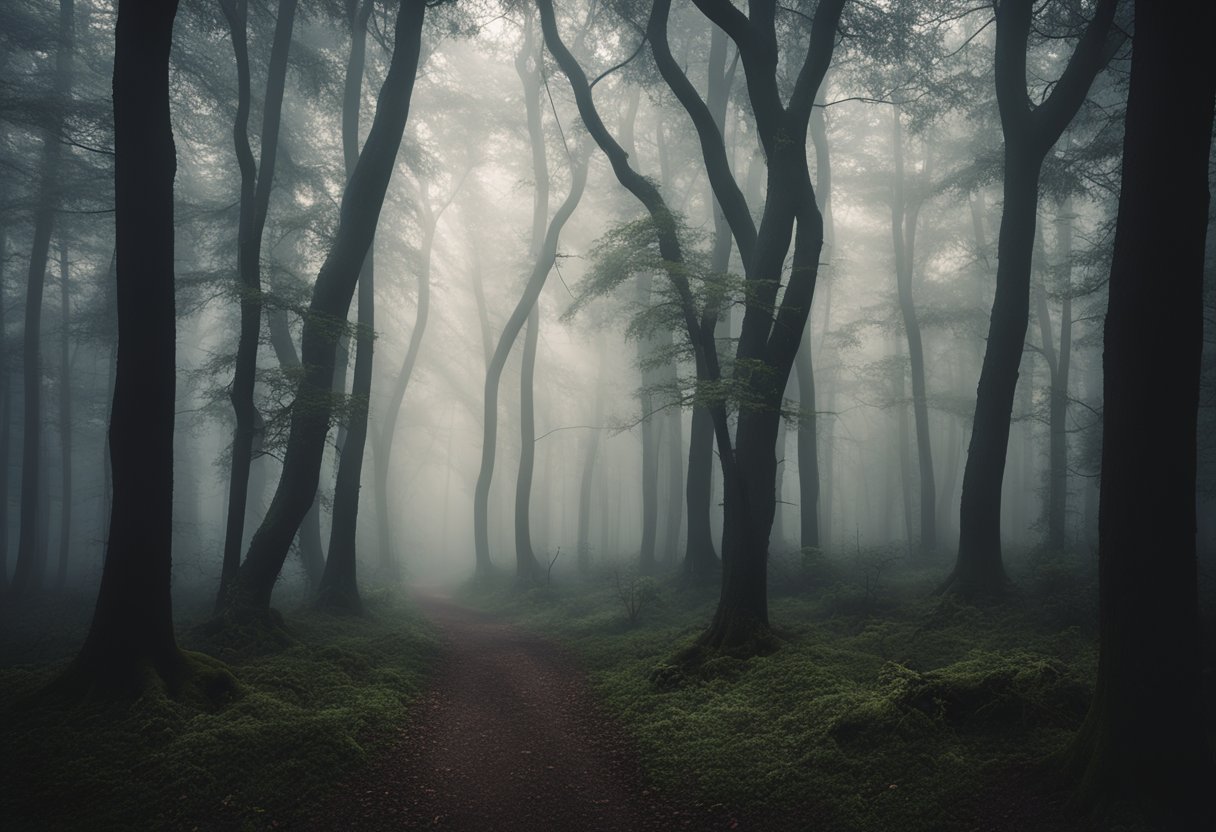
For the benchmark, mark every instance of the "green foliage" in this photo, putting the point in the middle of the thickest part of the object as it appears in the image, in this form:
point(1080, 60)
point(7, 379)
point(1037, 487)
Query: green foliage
point(304, 718)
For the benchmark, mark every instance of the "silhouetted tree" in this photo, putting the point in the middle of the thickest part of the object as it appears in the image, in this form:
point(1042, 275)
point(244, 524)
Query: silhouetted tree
point(256, 181)
point(132, 628)
point(1143, 740)
point(312, 409)
point(1029, 132)
point(31, 560)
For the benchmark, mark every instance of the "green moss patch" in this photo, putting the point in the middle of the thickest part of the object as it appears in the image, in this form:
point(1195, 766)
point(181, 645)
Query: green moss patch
point(303, 718)
point(903, 711)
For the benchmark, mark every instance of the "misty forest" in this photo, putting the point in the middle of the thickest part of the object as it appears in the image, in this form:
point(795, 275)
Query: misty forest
point(607, 415)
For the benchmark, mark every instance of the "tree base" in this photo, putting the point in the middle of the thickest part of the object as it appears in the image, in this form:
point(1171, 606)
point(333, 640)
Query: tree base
point(112, 676)
point(341, 600)
point(247, 629)
point(974, 586)
point(1158, 788)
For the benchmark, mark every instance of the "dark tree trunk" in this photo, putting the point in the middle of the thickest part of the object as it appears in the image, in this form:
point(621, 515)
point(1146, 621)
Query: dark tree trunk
point(1029, 136)
point(1143, 741)
point(519, 315)
point(132, 629)
point(46, 205)
point(65, 419)
point(255, 203)
point(700, 558)
point(5, 417)
point(308, 538)
point(362, 201)
point(673, 445)
point(339, 587)
point(767, 338)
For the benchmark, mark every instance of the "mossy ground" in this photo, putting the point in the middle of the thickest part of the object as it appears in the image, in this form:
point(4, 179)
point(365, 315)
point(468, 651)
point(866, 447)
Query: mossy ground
point(305, 716)
point(883, 708)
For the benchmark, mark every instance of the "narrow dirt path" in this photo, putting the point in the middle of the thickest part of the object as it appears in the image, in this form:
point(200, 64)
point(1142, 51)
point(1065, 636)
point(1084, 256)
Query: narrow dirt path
point(508, 739)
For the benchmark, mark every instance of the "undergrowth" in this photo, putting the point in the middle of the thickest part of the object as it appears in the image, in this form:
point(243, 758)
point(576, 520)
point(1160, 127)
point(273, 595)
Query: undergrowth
point(303, 717)
point(884, 708)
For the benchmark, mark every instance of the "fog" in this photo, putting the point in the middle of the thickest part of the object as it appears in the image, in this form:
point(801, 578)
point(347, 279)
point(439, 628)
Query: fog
point(776, 343)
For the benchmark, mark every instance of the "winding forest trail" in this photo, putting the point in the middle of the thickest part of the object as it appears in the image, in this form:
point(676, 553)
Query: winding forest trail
point(507, 739)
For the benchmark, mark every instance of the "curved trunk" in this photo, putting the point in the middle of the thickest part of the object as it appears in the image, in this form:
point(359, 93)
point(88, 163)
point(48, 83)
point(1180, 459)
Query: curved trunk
point(339, 588)
point(527, 567)
point(1029, 136)
point(388, 561)
point(28, 554)
point(255, 203)
point(362, 201)
point(536, 282)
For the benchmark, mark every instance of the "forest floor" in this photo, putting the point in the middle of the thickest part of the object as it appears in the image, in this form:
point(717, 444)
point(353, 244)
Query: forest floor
point(884, 708)
point(508, 737)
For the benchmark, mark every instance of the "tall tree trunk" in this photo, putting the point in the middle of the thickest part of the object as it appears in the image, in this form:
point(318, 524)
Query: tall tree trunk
point(527, 567)
point(519, 315)
point(767, 338)
point(808, 455)
point(308, 538)
point(1143, 741)
point(1029, 136)
point(132, 628)
point(905, 211)
point(389, 562)
point(824, 430)
point(650, 452)
point(339, 587)
point(254, 205)
point(700, 558)
point(673, 443)
point(1058, 364)
point(45, 207)
point(589, 459)
point(5, 417)
point(362, 201)
point(65, 418)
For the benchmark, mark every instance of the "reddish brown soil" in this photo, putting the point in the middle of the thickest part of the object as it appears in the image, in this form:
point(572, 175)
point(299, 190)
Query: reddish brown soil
point(507, 739)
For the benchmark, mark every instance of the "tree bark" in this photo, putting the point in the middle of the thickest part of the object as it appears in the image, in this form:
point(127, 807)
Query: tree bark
point(905, 211)
point(362, 201)
point(5, 417)
point(768, 341)
point(256, 184)
point(1029, 136)
point(590, 455)
point(339, 587)
point(132, 627)
point(1143, 742)
point(526, 565)
point(1058, 365)
point(65, 419)
point(28, 554)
